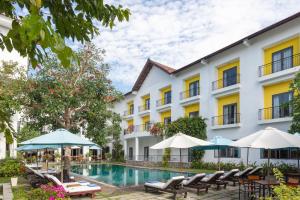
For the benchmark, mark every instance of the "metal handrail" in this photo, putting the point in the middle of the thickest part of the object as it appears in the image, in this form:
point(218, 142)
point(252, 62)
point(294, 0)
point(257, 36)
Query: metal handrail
point(290, 62)
point(144, 108)
point(226, 119)
point(218, 84)
point(275, 112)
point(189, 93)
point(163, 101)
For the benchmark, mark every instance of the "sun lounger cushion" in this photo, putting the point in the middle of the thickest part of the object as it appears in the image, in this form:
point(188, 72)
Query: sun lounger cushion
point(193, 178)
point(228, 174)
point(255, 170)
point(83, 188)
point(162, 185)
point(244, 172)
point(211, 176)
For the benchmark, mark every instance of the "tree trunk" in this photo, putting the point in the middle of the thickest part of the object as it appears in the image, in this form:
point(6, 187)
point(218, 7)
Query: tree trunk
point(67, 162)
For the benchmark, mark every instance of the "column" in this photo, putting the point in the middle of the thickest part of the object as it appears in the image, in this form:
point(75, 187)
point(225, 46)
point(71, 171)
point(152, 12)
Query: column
point(136, 149)
point(125, 149)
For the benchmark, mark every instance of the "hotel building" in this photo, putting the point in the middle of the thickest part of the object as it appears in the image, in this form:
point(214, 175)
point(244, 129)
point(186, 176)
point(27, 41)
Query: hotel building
point(239, 89)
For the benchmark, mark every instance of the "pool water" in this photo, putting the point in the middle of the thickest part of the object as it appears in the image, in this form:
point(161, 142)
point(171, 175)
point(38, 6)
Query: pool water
point(122, 176)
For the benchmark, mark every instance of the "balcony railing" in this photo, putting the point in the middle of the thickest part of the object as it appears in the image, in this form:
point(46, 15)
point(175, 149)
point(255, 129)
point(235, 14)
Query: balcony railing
point(189, 93)
point(144, 108)
point(226, 119)
point(279, 65)
point(164, 101)
point(225, 82)
point(275, 112)
point(128, 112)
point(138, 128)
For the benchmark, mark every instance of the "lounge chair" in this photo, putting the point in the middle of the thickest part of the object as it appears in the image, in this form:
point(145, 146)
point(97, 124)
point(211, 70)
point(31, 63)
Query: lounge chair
point(194, 182)
point(35, 178)
point(243, 174)
point(213, 179)
point(76, 188)
point(256, 171)
point(229, 176)
point(174, 186)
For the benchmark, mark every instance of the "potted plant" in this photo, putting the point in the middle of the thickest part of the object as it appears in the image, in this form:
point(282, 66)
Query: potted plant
point(57, 156)
point(108, 156)
point(88, 155)
point(11, 168)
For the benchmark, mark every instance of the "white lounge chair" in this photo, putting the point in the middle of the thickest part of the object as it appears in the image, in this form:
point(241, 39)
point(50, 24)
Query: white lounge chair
point(76, 188)
point(174, 186)
point(213, 179)
point(194, 182)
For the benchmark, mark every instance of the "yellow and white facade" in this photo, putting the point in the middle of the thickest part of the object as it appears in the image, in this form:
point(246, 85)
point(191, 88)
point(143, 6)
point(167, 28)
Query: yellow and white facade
point(239, 89)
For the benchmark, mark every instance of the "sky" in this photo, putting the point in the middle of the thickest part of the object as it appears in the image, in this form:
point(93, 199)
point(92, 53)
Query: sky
point(177, 33)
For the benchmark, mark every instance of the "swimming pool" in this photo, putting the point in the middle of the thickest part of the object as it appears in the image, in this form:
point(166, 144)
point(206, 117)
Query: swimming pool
point(122, 176)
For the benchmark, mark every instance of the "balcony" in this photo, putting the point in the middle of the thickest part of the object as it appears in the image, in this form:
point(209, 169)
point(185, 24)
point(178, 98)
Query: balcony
point(226, 121)
point(280, 70)
point(226, 86)
point(190, 96)
point(141, 130)
point(163, 104)
point(144, 110)
point(282, 113)
point(128, 114)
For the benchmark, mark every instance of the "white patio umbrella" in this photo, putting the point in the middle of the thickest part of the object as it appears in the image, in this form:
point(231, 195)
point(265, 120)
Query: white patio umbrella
point(180, 141)
point(268, 138)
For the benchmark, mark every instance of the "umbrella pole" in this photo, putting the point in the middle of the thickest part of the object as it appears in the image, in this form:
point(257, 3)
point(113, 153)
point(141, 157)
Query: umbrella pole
point(247, 156)
point(219, 157)
point(37, 158)
point(298, 157)
point(269, 155)
point(61, 165)
point(180, 157)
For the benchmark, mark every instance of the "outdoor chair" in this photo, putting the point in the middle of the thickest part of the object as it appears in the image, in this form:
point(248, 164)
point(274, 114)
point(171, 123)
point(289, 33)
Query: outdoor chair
point(76, 188)
point(194, 182)
point(229, 176)
point(174, 186)
point(213, 179)
point(243, 174)
point(35, 178)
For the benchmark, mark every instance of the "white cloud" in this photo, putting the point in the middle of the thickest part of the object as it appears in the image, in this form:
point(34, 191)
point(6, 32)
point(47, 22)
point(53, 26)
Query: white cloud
point(178, 32)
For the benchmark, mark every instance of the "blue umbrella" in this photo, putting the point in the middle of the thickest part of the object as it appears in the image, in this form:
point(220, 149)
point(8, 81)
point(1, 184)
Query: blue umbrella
point(218, 142)
point(36, 147)
point(60, 137)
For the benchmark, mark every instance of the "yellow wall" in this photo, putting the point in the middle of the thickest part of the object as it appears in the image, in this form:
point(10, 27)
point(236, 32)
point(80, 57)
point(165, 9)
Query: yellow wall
point(295, 43)
point(191, 108)
point(145, 119)
point(129, 104)
point(144, 98)
point(274, 89)
point(165, 114)
point(190, 80)
point(235, 98)
point(164, 90)
point(224, 67)
point(130, 122)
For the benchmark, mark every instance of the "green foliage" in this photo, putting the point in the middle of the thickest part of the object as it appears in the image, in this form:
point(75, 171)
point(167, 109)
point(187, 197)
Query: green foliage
point(295, 86)
point(10, 167)
point(195, 127)
point(157, 129)
point(47, 24)
point(117, 148)
point(10, 90)
point(80, 96)
point(166, 157)
point(215, 166)
point(283, 191)
point(27, 132)
point(108, 156)
point(283, 167)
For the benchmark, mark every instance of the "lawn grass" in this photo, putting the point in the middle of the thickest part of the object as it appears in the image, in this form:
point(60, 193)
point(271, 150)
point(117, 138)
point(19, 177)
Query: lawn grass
point(4, 179)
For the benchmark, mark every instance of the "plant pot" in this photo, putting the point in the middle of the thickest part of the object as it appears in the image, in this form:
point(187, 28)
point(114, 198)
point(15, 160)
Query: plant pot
point(90, 158)
point(14, 181)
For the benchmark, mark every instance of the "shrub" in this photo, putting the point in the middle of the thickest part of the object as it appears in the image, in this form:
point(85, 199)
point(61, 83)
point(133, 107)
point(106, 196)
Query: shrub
point(108, 156)
point(282, 167)
point(11, 167)
point(284, 192)
point(215, 166)
point(49, 192)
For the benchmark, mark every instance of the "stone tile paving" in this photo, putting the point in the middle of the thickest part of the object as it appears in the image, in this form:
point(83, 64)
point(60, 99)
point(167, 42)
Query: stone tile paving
point(230, 193)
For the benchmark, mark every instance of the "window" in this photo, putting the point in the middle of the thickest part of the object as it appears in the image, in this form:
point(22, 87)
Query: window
point(167, 120)
point(289, 153)
point(147, 104)
point(282, 59)
point(131, 109)
point(230, 77)
point(167, 97)
point(230, 114)
point(130, 153)
point(281, 105)
point(194, 88)
point(146, 153)
point(230, 152)
point(147, 126)
point(194, 114)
